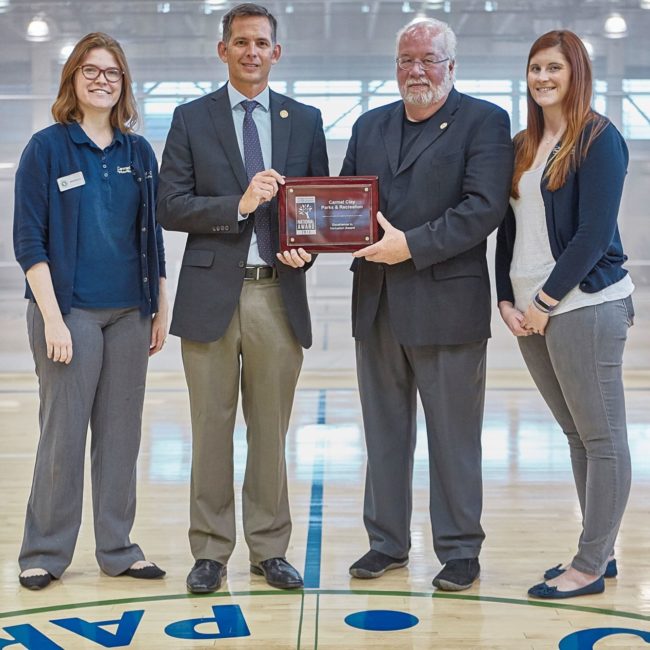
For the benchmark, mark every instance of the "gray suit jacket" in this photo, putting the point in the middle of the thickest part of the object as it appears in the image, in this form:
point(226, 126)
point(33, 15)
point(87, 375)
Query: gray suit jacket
point(202, 179)
point(448, 194)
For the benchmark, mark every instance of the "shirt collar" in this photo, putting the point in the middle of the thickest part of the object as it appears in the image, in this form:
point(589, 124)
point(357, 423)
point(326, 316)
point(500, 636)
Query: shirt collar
point(236, 98)
point(78, 135)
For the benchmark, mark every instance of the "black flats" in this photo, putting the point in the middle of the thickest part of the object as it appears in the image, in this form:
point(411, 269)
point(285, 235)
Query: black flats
point(36, 582)
point(149, 572)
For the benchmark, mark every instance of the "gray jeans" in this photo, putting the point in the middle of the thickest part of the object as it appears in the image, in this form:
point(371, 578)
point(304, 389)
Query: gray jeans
point(577, 367)
point(104, 386)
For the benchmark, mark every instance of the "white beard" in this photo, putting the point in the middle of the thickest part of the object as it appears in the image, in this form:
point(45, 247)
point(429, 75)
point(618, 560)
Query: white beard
point(430, 96)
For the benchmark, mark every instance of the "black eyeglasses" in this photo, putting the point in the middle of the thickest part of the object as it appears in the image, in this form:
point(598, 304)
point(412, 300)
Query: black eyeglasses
point(406, 62)
point(92, 72)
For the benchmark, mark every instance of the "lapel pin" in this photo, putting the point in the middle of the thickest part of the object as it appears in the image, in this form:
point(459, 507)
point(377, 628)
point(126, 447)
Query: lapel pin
point(443, 125)
point(284, 114)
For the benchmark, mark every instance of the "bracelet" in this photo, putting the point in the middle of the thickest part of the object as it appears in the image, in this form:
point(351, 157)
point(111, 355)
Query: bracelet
point(544, 311)
point(543, 306)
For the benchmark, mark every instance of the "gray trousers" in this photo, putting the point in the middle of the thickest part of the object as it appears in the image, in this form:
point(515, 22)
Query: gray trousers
point(577, 367)
point(451, 382)
point(260, 351)
point(104, 386)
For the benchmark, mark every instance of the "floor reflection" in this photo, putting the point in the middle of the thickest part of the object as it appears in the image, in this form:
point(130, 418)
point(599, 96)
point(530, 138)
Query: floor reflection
point(520, 438)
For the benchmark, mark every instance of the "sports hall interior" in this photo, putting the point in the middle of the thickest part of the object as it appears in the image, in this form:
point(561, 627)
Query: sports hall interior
point(337, 55)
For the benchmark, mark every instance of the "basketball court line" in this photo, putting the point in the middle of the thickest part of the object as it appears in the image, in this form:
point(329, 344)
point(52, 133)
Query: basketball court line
point(331, 592)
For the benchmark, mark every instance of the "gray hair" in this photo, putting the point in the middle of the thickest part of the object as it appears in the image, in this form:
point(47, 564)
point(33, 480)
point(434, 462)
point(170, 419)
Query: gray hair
point(434, 27)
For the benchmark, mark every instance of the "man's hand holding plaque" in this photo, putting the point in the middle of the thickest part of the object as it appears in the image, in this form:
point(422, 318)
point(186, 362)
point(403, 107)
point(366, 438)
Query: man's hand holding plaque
point(261, 189)
point(327, 214)
point(392, 248)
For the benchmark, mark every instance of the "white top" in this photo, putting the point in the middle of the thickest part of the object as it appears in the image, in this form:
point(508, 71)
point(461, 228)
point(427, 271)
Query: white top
point(532, 260)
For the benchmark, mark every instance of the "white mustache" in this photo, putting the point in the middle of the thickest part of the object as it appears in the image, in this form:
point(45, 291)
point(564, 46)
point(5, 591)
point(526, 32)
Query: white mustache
point(418, 82)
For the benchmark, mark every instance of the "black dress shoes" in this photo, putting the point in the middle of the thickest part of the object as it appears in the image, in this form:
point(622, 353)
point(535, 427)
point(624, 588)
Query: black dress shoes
point(205, 576)
point(278, 573)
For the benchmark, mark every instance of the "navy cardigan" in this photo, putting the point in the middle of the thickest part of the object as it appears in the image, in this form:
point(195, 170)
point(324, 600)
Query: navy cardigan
point(581, 217)
point(45, 219)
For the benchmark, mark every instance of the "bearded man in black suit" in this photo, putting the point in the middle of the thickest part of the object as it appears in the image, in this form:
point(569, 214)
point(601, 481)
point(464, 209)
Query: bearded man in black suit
point(421, 301)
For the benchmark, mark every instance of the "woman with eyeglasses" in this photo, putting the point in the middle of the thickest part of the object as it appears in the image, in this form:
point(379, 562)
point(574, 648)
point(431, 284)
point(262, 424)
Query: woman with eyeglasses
point(86, 237)
point(564, 293)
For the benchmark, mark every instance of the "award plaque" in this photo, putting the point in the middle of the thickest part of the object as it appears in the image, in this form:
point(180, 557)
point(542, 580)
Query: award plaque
point(328, 214)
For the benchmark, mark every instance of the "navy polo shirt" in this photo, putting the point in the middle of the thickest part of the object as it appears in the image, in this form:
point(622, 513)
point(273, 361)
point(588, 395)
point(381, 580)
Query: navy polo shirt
point(107, 273)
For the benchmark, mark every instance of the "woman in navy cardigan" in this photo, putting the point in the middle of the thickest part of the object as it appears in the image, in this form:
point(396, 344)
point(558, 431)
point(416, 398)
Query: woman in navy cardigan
point(85, 235)
point(564, 293)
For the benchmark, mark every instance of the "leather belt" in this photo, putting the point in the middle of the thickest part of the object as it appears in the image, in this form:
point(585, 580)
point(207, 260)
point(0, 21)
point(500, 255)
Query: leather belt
point(259, 273)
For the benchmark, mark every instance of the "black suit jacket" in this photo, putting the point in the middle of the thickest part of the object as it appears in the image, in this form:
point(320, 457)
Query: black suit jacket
point(448, 194)
point(202, 179)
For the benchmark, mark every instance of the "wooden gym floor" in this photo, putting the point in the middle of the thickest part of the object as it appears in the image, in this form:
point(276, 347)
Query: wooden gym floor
point(531, 519)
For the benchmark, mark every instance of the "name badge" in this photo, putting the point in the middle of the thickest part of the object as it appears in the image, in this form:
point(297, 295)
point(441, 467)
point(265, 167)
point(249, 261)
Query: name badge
point(71, 180)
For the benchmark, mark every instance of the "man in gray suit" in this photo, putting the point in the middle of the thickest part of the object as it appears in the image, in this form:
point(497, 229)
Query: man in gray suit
point(421, 301)
point(241, 306)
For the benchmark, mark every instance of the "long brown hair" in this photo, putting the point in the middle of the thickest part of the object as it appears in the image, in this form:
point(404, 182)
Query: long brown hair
point(577, 110)
point(66, 109)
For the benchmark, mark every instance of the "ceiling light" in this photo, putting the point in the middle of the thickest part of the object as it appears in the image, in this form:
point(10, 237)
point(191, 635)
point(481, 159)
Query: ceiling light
point(4, 5)
point(490, 6)
point(406, 7)
point(615, 26)
point(288, 9)
point(644, 4)
point(38, 30)
point(163, 7)
point(65, 52)
point(446, 6)
point(365, 9)
point(212, 5)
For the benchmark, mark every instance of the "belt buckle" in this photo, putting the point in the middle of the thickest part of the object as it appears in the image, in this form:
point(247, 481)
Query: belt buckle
point(255, 272)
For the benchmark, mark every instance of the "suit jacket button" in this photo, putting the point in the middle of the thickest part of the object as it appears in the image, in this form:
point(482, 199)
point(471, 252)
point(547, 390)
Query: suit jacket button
point(241, 264)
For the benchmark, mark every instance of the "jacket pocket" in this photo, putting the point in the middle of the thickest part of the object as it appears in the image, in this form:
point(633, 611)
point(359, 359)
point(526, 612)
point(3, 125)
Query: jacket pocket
point(198, 258)
point(457, 268)
point(448, 159)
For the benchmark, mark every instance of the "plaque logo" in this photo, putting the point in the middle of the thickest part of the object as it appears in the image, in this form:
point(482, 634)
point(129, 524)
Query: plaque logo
point(305, 222)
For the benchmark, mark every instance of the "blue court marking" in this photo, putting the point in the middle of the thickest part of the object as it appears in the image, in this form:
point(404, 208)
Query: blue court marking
point(382, 620)
point(587, 639)
point(311, 575)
